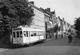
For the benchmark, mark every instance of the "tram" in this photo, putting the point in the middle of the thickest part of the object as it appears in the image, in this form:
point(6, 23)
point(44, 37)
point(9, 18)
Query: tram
point(28, 36)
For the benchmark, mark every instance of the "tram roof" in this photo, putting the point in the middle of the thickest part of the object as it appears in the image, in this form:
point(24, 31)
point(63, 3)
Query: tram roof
point(28, 29)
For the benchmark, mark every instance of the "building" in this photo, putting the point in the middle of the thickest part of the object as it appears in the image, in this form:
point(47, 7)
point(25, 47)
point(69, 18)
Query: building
point(52, 21)
point(60, 26)
point(38, 19)
point(45, 19)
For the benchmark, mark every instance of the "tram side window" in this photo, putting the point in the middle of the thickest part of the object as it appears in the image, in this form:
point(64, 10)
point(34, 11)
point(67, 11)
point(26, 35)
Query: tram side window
point(17, 34)
point(26, 33)
point(20, 33)
point(41, 33)
point(14, 34)
point(33, 33)
point(38, 33)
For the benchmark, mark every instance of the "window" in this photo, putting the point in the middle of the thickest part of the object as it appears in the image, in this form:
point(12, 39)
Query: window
point(33, 33)
point(29, 33)
point(26, 33)
point(14, 34)
point(37, 33)
point(18, 34)
point(42, 33)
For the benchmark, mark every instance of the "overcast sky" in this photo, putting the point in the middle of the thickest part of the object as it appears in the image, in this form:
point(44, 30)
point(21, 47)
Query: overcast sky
point(69, 9)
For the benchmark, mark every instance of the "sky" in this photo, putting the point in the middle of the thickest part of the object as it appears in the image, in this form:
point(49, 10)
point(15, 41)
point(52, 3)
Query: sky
point(67, 9)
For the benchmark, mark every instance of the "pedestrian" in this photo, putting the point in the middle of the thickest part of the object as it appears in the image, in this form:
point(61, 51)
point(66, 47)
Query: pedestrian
point(56, 35)
point(69, 37)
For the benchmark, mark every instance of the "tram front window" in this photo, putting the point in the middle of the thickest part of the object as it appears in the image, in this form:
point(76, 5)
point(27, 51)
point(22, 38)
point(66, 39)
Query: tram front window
point(14, 34)
point(17, 34)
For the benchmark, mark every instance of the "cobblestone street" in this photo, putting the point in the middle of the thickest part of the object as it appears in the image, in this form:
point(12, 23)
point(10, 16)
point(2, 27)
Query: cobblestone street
point(50, 47)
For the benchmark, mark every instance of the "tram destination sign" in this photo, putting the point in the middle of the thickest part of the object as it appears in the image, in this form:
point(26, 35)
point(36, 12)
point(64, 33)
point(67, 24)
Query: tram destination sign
point(17, 29)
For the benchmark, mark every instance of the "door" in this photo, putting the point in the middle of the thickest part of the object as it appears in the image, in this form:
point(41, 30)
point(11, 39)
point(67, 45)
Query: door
point(14, 37)
point(26, 37)
point(17, 37)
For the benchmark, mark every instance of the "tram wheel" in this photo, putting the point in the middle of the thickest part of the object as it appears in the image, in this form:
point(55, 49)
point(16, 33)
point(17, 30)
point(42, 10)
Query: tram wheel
point(30, 45)
point(44, 41)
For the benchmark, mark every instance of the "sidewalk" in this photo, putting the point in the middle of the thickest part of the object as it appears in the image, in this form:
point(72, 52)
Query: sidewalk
point(3, 47)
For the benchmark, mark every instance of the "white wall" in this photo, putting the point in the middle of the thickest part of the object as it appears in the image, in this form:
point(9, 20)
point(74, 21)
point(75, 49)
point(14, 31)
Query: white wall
point(38, 19)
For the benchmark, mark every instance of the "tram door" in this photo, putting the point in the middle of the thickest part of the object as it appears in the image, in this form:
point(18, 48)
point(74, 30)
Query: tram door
point(26, 38)
point(15, 40)
point(20, 37)
point(17, 37)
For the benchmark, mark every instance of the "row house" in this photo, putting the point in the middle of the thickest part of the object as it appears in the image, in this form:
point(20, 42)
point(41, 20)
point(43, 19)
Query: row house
point(47, 20)
point(44, 19)
point(66, 29)
point(63, 27)
point(60, 26)
point(48, 25)
point(50, 21)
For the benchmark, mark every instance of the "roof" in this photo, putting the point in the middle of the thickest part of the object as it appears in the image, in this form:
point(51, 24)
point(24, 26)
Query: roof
point(36, 7)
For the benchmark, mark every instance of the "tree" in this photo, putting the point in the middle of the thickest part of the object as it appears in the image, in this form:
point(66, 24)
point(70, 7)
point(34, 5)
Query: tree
point(77, 26)
point(14, 13)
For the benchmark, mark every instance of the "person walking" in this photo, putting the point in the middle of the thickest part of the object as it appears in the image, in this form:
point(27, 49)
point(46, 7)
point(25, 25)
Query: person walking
point(69, 37)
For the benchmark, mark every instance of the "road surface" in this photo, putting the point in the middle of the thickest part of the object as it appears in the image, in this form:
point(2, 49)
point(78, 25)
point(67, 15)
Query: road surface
point(50, 47)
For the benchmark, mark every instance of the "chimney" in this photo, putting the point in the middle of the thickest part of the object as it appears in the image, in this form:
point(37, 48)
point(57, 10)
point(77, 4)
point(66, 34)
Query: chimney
point(63, 19)
point(53, 12)
point(48, 9)
point(58, 16)
point(32, 2)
